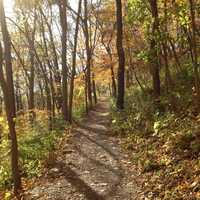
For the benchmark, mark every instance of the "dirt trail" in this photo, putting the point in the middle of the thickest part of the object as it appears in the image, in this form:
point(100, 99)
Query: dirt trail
point(89, 166)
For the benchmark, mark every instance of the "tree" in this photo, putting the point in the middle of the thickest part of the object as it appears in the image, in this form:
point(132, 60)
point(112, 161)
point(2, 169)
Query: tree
point(74, 62)
point(154, 48)
point(194, 48)
point(89, 55)
point(121, 56)
point(63, 23)
point(9, 98)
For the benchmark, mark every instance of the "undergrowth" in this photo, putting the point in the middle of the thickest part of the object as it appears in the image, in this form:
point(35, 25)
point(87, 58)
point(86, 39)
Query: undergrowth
point(35, 142)
point(163, 139)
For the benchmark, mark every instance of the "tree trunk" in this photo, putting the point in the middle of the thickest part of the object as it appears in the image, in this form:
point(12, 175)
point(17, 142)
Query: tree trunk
point(175, 55)
point(94, 89)
point(57, 76)
point(86, 95)
point(121, 56)
point(168, 79)
point(9, 98)
point(194, 49)
point(74, 63)
point(42, 103)
point(1, 105)
point(31, 103)
point(154, 49)
point(63, 21)
point(114, 87)
point(88, 52)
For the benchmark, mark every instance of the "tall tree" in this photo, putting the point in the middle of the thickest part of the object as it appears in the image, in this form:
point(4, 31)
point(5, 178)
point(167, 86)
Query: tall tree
point(9, 97)
point(121, 56)
point(74, 62)
point(63, 22)
point(89, 55)
point(154, 48)
point(194, 47)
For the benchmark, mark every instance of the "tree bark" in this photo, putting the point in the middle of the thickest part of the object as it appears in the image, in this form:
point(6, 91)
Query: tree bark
point(74, 63)
point(9, 98)
point(94, 89)
point(88, 52)
point(155, 68)
point(63, 22)
point(121, 56)
point(194, 49)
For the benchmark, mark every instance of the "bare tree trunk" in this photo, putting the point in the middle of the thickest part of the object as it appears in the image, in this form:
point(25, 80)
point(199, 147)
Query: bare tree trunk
point(31, 103)
point(88, 50)
point(63, 21)
point(121, 56)
point(74, 63)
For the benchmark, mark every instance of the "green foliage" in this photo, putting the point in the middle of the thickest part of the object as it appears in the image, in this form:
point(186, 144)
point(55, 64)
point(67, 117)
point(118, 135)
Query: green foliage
point(181, 12)
point(79, 102)
point(5, 174)
point(143, 55)
point(35, 143)
point(34, 148)
point(138, 12)
point(135, 118)
point(79, 111)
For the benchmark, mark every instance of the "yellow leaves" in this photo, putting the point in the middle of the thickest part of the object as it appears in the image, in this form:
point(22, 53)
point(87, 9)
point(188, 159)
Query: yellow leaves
point(7, 196)
point(157, 126)
point(1, 119)
point(3, 124)
point(166, 160)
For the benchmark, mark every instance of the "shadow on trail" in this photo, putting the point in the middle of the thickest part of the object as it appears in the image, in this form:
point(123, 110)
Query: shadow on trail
point(89, 163)
point(78, 183)
point(100, 131)
point(107, 150)
point(97, 163)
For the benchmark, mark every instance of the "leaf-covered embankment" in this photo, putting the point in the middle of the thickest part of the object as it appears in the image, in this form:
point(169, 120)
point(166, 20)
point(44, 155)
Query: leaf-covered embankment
point(163, 143)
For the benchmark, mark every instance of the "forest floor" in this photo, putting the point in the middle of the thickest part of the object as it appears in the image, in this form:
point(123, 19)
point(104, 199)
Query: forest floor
point(89, 164)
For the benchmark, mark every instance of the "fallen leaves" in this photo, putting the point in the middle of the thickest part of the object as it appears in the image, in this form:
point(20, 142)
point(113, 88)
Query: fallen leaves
point(168, 158)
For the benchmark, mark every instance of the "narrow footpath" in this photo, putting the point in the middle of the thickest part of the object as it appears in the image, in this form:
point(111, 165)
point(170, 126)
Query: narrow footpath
point(90, 165)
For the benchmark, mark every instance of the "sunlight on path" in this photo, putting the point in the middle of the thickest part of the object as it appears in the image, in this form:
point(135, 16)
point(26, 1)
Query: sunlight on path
point(89, 166)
